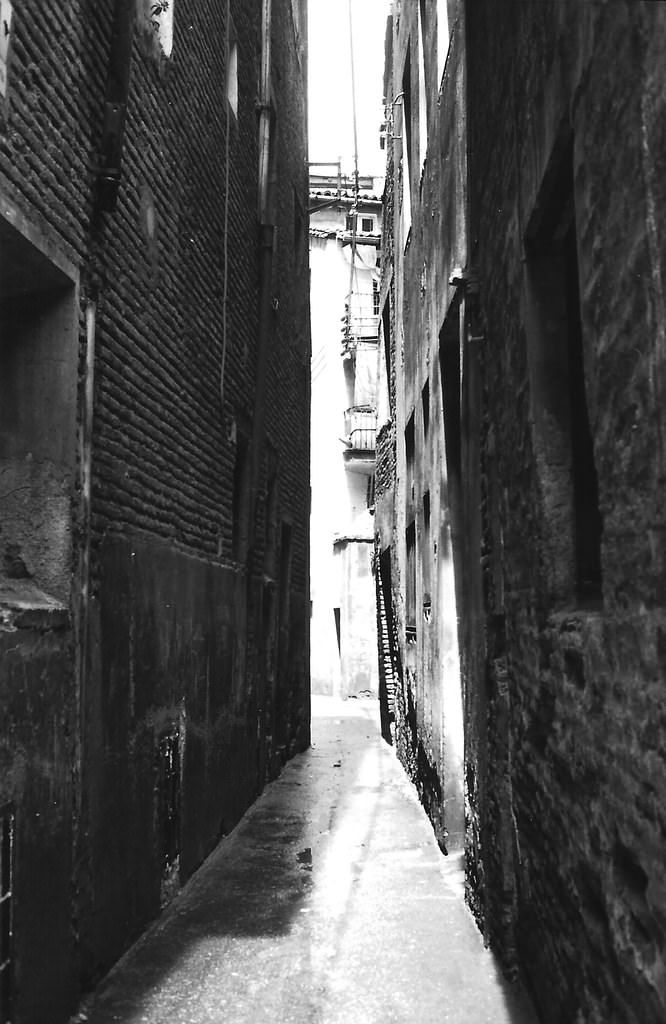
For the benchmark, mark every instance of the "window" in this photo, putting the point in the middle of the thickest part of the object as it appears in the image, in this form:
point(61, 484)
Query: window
point(38, 385)
point(409, 444)
point(410, 583)
point(450, 375)
point(449, 362)
point(350, 222)
point(406, 151)
point(367, 224)
point(409, 467)
point(386, 331)
point(425, 409)
point(426, 555)
point(556, 356)
point(423, 107)
point(370, 493)
point(232, 70)
point(6, 914)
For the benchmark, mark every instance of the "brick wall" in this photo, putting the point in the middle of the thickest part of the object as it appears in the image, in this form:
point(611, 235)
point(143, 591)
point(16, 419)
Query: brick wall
point(570, 779)
point(175, 630)
point(561, 660)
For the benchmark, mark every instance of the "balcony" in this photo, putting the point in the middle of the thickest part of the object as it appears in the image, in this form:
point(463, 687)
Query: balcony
point(361, 321)
point(360, 431)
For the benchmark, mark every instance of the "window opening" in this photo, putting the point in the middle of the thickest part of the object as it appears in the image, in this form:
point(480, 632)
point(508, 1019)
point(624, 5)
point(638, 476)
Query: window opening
point(386, 331)
point(350, 222)
point(423, 106)
point(232, 70)
point(409, 443)
point(425, 408)
point(426, 559)
point(406, 150)
point(559, 390)
point(6, 914)
point(336, 615)
point(367, 224)
point(449, 361)
point(38, 395)
point(410, 453)
point(370, 492)
point(410, 583)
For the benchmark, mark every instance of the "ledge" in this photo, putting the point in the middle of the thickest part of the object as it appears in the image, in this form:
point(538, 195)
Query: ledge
point(24, 606)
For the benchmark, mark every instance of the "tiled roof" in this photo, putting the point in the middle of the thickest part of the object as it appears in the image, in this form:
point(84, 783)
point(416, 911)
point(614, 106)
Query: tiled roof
point(344, 194)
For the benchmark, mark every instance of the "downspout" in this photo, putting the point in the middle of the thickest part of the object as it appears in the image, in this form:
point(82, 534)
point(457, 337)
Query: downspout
point(264, 334)
point(266, 244)
point(115, 105)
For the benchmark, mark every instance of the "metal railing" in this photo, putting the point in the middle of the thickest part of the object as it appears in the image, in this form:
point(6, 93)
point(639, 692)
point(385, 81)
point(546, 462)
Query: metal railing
point(361, 320)
point(361, 429)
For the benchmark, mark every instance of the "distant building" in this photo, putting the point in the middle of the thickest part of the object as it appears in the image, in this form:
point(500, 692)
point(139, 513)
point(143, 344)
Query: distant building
point(154, 449)
point(345, 236)
point(521, 476)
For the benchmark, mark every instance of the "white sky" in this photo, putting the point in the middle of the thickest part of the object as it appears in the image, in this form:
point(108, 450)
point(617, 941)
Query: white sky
point(330, 100)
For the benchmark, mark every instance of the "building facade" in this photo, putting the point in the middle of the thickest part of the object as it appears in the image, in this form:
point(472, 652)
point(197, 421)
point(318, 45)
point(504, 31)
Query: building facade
point(345, 235)
point(155, 355)
point(524, 297)
point(424, 240)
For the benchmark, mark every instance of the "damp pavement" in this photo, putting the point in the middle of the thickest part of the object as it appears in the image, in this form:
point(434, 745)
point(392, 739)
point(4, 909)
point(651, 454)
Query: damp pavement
point(330, 903)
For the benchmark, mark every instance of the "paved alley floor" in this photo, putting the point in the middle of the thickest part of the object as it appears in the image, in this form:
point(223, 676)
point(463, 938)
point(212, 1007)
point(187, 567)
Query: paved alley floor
point(329, 904)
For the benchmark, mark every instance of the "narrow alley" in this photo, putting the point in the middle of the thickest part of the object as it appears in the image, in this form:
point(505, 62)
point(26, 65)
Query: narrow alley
point(329, 903)
point(333, 512)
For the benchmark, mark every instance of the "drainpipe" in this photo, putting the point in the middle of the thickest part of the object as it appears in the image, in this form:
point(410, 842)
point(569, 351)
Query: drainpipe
point(115, 106)
point(264, 335)
point(267, 306)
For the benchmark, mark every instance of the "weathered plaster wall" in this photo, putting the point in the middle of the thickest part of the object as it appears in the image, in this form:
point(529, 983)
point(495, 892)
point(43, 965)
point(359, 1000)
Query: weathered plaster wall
point(421, 257)
point(340, 578)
